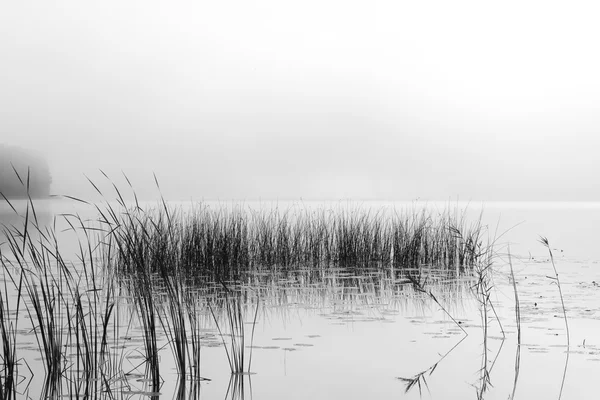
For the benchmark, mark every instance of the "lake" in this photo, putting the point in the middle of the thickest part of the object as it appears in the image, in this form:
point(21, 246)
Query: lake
point(340, 332)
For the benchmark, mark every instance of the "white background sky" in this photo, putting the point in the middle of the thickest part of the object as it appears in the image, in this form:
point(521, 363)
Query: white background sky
point(316, 99)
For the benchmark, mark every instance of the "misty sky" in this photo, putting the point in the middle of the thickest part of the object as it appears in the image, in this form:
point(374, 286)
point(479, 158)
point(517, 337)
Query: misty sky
point(331, 99)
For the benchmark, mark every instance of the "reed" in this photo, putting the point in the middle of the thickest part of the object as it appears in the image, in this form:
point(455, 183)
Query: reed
point(187, 390)
point(221, 244)
point(419, 285)
point(45, 307)
point(173, 321)
point(192, 309)
point(517, 303)
point(236, 388)
point(89, 324)
point(64, 317)
point(8, 332)
point(419, 380)
point(234, 315)
point(146, 309)
point(482, 289)
point(34, 253)
point(72, 304)
point(546, 244)
point(518, 322)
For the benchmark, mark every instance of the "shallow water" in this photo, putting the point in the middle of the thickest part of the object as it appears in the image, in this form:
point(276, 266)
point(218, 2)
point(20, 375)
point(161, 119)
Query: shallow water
point(353, 335)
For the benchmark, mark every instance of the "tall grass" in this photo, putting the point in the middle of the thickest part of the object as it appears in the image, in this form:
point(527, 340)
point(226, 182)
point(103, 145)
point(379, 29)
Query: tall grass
point(69, 306)
point(144, 301)
point(8, 333)
point(173, 320)
point(222, 243)
point(192, 309)
point(92, 295)
point(236, 388)
point(234, 315)
point(44, 292)
point(157, 254)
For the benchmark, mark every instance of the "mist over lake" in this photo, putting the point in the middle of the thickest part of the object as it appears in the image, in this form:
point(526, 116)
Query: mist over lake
point(269, 199)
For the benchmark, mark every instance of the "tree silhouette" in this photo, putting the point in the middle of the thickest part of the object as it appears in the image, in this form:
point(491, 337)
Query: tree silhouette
point(16, 166)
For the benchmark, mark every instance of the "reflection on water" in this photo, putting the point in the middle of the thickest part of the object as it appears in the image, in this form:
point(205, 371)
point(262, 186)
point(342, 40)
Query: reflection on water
point(312, 331)
point(346, 316)
point(419, 380)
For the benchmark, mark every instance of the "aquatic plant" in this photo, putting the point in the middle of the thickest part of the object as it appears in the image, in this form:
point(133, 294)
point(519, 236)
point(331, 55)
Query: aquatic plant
point(70, 324)
point(187, 390)
point(46, 314)
point(8, 333)
point(419, 380)
point(484, 381)
point(518, 322)
point(192, 309)
point(234, 315)
point(419, 285)
point(516, 293)
point(154, 255)
point(173, 321)
point(482, 288)
point(546, 244)
point(235, 389)
point(223, 243)
point(146, 309)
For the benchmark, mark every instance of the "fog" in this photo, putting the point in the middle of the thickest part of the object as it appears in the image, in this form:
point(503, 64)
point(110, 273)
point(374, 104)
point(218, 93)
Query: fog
point(315, 99)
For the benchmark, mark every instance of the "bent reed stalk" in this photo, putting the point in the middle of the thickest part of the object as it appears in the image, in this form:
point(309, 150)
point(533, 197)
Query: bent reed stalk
point(546, 244)
point(419, 285)
point(543, 240)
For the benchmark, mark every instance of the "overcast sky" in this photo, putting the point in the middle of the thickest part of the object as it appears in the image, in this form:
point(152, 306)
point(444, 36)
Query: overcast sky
point(327, 99)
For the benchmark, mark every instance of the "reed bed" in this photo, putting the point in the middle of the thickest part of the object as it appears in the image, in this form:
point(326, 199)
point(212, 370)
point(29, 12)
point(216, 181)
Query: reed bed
point(43, 289)
point(220, 244)
point(69, 308)
point(157, 256)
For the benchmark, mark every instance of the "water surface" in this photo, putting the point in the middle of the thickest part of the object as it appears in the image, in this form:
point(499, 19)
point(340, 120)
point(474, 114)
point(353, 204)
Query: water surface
point(347, 333)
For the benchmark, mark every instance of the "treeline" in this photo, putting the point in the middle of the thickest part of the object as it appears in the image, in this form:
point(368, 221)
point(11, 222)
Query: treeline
point(15, 166)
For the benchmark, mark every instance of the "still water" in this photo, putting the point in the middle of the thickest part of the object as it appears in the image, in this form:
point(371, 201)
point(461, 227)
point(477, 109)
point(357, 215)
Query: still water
point(368, 334)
